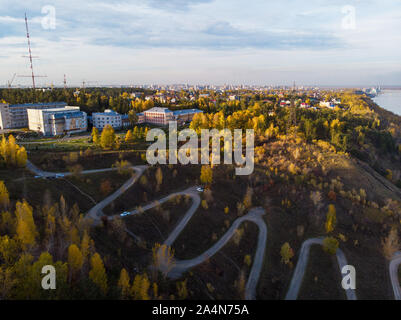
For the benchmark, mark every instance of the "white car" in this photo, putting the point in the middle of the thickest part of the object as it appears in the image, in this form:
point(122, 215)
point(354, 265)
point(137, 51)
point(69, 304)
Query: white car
point(125, 213)
point(59, 175)
point(200, 189)
point(37, 177)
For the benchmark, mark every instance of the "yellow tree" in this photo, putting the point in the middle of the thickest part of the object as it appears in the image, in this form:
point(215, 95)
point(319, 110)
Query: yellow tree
point(286, 253)
point(206, 176)
point(75, 260)
point(108, 137)
point(98, 273)
point(124, 284)
point(26, 229)
point(159, 178)
point(4, 196)
point(22, 157)
point(331, 219)
point(95, 136)
point(129, 137)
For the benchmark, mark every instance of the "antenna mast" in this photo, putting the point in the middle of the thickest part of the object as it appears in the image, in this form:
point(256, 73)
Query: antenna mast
point(30, 53)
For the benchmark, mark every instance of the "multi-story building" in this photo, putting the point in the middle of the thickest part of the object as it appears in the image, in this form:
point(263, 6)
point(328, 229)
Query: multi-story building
point(158, 116)
point(162, 116)
point(15, 116)
point(57, 121)
point(108, 117)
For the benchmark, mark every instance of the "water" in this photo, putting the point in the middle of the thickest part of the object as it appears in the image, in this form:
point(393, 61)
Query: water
point(389, 100)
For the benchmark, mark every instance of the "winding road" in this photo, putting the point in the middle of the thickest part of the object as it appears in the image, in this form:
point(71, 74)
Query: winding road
point(255, 215)
point(393, 269)
point(299, 272)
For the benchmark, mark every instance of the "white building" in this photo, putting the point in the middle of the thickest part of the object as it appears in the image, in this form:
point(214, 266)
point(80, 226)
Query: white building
point(108, 117)
point(15, 116)
point(57, 121)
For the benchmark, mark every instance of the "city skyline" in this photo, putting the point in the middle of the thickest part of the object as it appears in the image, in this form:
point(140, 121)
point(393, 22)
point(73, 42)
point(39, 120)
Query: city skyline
point(201, 41)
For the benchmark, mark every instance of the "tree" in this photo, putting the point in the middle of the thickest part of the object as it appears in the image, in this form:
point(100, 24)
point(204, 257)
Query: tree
point(95, 136)
point(331, 219)
point(98, 273)
point(108, 138)
point(206, 176)
point(140, 287)
point(106, 187)
point(391, 243)
point(182, 290)
point(330, 245)
point(132, 117)
point(26, 229)
point(163, 258)
point(4, 196)
point(129, 137)
point(75, 260)
point(159, 178)
point(124, 284)
point(286, 253)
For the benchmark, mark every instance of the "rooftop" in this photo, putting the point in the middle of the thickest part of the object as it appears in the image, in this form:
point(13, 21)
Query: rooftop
point(186, 111)
point(38, 104)
point(159, 110)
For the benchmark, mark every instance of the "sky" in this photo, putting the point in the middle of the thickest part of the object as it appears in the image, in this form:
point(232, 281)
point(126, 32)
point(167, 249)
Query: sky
point(256, 42)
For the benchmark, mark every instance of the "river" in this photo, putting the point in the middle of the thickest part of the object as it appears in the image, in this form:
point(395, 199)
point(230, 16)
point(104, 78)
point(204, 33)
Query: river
point(389, 100)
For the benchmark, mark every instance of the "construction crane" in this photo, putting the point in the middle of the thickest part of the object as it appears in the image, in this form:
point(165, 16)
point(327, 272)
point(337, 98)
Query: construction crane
point(30, 56)
point(9, 83)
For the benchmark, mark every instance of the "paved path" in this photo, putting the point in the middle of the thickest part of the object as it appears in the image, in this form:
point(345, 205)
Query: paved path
point(96, 212)
point(39, 172)
point(393, 270)
point(299, 272)
point(255, 215)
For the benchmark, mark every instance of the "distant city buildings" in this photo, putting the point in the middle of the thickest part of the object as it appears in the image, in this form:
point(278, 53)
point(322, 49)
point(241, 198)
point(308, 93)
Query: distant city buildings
point(15, 116)
point(108, 117)
point(57, 121)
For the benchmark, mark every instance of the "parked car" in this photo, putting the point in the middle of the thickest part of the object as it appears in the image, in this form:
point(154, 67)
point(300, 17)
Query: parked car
point(200, 189)
point(125, 213)
point(59, 175)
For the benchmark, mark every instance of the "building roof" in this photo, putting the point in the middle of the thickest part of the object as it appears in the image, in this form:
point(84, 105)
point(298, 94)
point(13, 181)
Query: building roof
point(68, 115)
point(187, 111)
point(38, 104)
point(159, 110)
point(106, 112)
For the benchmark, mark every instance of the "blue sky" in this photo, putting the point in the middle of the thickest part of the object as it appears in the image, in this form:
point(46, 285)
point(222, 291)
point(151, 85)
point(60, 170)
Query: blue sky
point(205, 41)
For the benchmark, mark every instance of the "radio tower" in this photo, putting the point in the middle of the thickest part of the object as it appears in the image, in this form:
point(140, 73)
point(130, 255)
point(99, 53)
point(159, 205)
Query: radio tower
point(30, 53)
